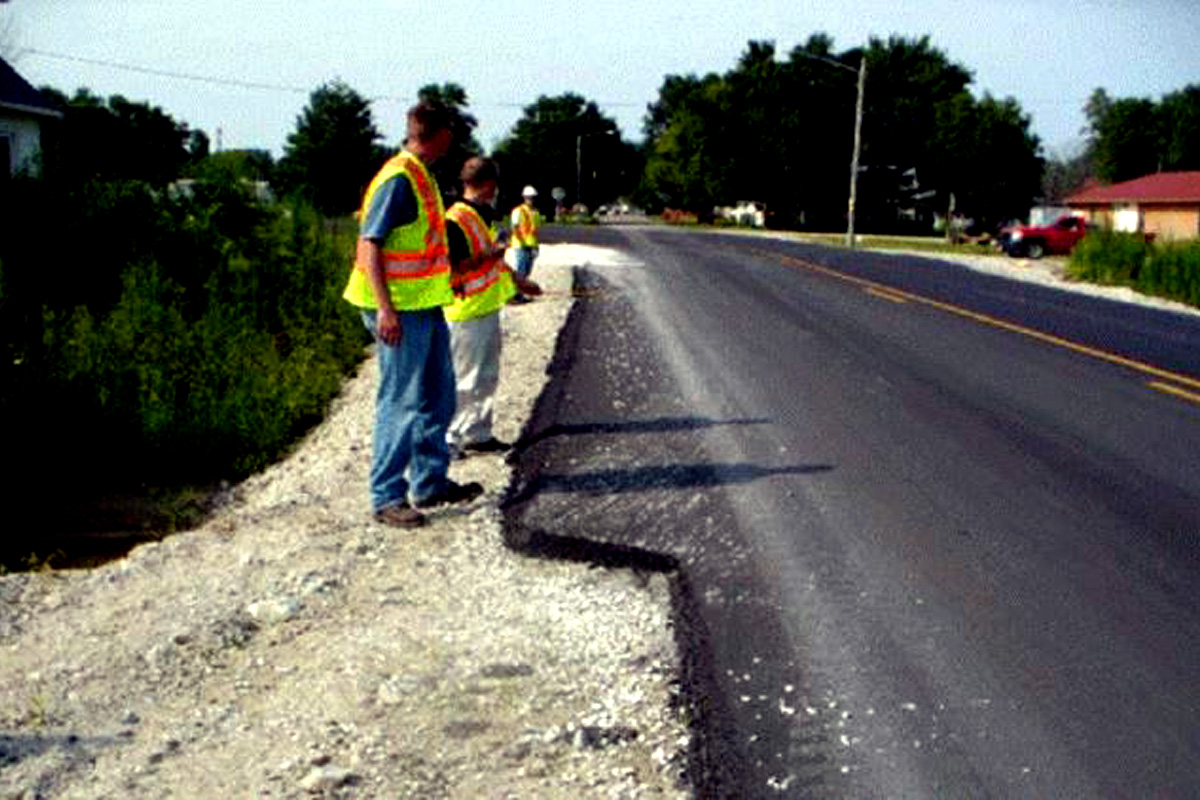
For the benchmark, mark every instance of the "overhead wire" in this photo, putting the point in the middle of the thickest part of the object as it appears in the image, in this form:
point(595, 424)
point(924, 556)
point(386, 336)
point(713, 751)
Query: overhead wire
point(246, 84)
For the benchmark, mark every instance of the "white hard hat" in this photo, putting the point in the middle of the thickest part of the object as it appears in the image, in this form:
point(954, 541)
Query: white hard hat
point(529, 191)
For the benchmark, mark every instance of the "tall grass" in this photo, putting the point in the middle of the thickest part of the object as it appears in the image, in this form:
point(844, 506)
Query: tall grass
point(1168, 269)
point(151, 340)
point(1174, 271)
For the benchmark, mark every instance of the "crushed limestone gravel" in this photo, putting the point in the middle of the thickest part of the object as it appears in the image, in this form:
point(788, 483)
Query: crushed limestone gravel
point(292, 647)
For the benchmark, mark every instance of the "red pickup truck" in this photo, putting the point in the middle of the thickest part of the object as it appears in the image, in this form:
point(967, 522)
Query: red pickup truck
point(1035, 241)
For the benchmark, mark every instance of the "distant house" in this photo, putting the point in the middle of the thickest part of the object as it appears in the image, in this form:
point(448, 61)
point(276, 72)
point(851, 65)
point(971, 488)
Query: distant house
point(23, 109)
point(1166, 204)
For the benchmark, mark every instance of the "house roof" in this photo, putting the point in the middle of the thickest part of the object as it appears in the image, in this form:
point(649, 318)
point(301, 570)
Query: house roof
point(1162, 187)
point(16, 93)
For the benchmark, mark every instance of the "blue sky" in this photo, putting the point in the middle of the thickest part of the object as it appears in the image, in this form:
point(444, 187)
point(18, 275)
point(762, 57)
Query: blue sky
point(1048, 56)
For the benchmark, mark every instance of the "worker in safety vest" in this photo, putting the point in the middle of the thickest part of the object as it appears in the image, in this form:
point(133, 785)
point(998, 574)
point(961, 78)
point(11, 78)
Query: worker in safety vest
point(482, 285)
point(400, 281)
point(525, 221)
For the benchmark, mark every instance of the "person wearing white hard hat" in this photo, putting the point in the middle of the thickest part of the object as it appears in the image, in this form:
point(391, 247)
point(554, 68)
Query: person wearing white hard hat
point(525, 221)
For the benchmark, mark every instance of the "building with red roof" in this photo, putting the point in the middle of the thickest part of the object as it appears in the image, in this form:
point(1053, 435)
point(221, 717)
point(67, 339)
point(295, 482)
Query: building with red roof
point(1166, 204)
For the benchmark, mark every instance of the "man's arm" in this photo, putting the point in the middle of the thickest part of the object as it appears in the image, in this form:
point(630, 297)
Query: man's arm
point(388, 327)
point(393, 204)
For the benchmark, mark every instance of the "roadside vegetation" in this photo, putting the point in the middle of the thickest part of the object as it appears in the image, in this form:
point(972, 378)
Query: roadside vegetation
point(1168, 269)
point(153, 341)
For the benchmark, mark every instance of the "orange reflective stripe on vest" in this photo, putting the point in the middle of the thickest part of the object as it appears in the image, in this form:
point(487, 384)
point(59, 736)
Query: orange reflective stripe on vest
point(416, 257)
point(487, 287)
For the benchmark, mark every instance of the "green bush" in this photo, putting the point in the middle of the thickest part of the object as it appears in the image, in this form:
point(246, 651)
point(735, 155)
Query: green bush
point(1109, 257)
point(1170, 269)
point(152, 339)
point(1173, 270)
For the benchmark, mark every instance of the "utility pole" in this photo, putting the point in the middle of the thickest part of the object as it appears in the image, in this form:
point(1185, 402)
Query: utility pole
point(579, 160)
point(858, 115)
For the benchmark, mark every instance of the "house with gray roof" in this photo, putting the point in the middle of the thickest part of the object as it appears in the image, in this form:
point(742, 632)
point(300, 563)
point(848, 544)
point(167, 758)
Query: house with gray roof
point(23, 109)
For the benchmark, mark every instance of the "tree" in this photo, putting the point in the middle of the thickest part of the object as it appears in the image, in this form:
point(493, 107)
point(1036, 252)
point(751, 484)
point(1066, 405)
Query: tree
point(333, 153)
point(687, 159)
point(1179, 114)
point(781, 131)
point(1131, 137)
point(1126, 140)
point(249, 165)
point(117, 139)
point(553, 139)
point(975, 137)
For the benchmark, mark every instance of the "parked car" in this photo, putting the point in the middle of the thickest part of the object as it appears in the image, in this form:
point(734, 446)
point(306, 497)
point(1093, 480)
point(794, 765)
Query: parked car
point(1035, 241)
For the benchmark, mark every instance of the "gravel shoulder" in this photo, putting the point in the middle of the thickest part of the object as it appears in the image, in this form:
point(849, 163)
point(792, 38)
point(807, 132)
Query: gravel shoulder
point(291, 647)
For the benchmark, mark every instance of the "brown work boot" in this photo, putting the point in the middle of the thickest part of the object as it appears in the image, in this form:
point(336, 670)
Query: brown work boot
point(400, 516)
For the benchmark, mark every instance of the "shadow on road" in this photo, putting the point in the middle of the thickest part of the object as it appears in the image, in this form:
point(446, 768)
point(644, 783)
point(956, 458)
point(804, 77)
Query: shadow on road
point(658, 425)
point(652, 478)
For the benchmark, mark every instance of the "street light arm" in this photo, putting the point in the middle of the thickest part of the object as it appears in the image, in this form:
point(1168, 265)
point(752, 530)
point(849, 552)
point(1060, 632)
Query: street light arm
point(831, 62)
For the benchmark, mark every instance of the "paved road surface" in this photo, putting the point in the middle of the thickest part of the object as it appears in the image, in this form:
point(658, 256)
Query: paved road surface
point(940, 530)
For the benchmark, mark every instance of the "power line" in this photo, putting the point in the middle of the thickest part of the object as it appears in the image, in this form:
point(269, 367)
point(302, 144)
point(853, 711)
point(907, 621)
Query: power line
point(273, 87)
point(168, 73)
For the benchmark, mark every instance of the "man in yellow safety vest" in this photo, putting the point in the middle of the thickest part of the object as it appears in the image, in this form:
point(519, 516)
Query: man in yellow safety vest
point(482, 285)
point(400, 281)
point(526, 221)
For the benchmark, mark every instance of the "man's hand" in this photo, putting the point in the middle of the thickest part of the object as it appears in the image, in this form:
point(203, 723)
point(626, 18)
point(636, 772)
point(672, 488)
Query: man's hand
point(388, 328)
point(387, 323)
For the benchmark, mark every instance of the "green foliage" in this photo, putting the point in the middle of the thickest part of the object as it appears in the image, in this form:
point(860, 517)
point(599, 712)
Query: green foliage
point(1173, 270)
point(1109, 257)
point(228, 165)
point(334, 152)
point(116, 139)
point(1170, 269)
point(565, 141)
point(989, 158)
point(688, 157)
point(1132, 137)
point(199, 351)
point(780, 131)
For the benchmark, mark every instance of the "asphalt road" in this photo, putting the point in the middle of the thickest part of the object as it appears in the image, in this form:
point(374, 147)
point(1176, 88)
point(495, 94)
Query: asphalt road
point(939, 532)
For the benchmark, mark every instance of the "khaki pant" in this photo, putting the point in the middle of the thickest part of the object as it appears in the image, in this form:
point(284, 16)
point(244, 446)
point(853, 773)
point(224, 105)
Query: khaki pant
point(475, 348)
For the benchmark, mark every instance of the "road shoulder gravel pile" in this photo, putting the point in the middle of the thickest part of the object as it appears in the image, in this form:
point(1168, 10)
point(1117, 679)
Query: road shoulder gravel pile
point(292, 647)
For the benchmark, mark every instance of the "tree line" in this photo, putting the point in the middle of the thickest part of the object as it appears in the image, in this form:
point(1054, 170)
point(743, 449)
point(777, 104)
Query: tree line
point(1127, 138)
point(776, 128)
point(780, 130)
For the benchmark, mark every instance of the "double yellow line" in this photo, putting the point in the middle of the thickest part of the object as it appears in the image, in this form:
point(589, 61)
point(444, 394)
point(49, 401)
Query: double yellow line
point(1172, 383)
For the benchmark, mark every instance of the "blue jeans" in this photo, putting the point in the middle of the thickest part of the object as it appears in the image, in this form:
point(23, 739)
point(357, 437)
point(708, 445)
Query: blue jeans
point(524, 258)
point(413, 409)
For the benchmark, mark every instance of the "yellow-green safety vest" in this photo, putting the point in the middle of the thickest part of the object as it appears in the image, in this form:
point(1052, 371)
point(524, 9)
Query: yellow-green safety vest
point(416, 257)
point(525, 222)
point(488, 286)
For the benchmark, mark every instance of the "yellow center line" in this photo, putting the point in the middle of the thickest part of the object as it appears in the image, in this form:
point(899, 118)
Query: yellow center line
point(1175, 390)
point(1058, 341)
point(895, 298)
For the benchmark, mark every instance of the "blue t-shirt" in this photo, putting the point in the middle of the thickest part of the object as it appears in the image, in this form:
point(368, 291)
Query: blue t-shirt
point(394, 204)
